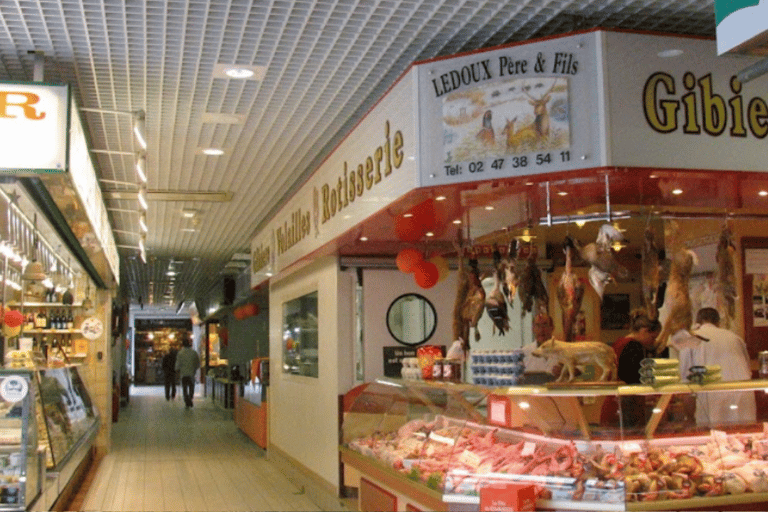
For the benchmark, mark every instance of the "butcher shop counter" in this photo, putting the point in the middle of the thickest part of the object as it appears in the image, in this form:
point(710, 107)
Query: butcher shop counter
point(414, 445)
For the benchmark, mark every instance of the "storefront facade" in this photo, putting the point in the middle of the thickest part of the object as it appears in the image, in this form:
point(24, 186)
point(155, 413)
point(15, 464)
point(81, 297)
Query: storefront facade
point(555, 137)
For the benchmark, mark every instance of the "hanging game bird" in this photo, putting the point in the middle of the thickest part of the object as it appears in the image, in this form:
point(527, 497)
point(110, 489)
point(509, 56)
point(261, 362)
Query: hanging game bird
point(495, 304)
point(570, 291)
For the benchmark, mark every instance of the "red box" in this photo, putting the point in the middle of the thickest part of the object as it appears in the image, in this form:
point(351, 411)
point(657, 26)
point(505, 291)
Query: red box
point(499, 410)
point(507, 497)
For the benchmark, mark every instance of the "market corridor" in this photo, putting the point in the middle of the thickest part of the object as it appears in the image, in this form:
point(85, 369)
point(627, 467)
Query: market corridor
point(166, 457)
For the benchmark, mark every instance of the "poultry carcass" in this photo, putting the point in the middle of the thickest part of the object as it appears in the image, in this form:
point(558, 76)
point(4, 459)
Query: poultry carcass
point(604, 267)
point(495, 304)
point(651, 272)
point(532, 289)
point(726, 274)
point(474, 303)
point(570, 291)
point(677, 315)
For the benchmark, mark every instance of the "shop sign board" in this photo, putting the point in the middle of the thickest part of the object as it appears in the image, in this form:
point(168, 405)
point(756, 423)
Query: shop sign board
point(525, 109)
point(83, 178)
point(740, 24)
point(687, 111)
point(372, 167)
point(33, 128)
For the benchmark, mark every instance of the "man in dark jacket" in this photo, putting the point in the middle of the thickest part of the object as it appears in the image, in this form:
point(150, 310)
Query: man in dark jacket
point(169, 372)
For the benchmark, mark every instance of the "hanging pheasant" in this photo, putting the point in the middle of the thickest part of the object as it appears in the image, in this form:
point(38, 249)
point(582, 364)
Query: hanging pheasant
point(495, 304)
point(570, 291)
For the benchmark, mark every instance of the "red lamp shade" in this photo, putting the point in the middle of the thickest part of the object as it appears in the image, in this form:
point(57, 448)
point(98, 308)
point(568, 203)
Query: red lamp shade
point(407, 259)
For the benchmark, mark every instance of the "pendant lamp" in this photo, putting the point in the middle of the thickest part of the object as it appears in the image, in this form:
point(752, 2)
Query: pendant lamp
point(87, 305)
point(34, 270)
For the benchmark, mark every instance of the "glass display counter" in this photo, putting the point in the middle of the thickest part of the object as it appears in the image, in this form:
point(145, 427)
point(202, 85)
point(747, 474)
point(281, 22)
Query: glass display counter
point(442, 446)
point(20, 462)
point(69, 416)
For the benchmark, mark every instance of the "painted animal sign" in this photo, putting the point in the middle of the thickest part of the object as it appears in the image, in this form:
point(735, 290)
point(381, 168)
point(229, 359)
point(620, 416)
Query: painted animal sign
point(507, 117)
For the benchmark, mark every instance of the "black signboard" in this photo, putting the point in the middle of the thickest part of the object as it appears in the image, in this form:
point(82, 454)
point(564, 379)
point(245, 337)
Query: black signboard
point(393, 359)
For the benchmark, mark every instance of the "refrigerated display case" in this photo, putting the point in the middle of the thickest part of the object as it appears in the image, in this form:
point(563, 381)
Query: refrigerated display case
point(444, 446)
point(69, 416)
point(21, 463)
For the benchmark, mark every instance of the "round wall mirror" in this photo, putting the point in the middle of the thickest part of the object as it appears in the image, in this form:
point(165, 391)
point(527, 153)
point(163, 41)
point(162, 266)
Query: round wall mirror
point(411, 319)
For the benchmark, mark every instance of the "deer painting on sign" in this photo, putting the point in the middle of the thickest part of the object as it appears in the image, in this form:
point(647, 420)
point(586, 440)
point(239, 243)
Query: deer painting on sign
point(535, 133)
point(540, 112)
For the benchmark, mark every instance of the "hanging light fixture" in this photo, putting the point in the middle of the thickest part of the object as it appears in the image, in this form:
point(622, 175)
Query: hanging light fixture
point(34, 270)
point(87, 304)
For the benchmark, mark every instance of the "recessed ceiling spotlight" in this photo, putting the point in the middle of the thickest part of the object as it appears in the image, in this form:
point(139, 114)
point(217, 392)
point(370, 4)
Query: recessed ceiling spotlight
point(457, 221)
point(562, 193)
point(440, 198)
point(407, 215)
point(489, 208)
point(429, 233)
point(763, 193)
point(363, 238)
point(666, 54)
point(240, 72)
point(677, 191)
point(653, 176)
point(213, 151)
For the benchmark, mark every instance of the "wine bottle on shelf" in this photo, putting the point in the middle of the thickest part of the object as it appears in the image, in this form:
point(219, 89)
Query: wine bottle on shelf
point(40, 320)
point(70, 320)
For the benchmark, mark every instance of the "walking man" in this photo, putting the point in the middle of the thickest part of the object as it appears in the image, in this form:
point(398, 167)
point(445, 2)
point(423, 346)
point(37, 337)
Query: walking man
point(187, 363)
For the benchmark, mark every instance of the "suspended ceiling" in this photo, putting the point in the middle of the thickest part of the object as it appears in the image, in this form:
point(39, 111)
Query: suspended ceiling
point(324, 64)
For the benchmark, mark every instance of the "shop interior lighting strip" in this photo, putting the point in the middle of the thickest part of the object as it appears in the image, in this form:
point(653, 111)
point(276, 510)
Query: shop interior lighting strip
point(32, 229)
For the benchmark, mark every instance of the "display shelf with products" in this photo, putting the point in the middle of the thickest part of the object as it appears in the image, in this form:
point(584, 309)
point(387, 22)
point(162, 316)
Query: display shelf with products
point(440, 445)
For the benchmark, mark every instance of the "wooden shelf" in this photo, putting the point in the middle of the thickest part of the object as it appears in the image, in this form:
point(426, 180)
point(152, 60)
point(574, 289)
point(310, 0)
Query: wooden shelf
point(44, 305)
point(52, 331)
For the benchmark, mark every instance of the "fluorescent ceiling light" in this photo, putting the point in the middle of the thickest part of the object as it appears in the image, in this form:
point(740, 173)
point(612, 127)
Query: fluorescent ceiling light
point(217, 118)
point(141, 166)
point(213, 151)
point(143, 222)
point(188, 214)
point(140, 128)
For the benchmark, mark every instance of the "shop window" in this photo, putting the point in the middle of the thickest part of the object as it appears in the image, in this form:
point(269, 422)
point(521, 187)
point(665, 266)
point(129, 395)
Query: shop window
point(300, 338)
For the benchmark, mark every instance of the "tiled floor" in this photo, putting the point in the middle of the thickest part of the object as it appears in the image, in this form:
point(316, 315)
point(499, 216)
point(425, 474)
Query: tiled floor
point(167, 457)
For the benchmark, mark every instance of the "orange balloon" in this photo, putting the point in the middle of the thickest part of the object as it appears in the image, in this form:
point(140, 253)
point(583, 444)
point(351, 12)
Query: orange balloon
point(250, 309)
point(426, 274)
point(407, 259)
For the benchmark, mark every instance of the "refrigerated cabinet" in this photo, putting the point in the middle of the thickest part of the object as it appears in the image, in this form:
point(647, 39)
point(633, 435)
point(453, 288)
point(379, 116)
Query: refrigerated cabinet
point(442, 446)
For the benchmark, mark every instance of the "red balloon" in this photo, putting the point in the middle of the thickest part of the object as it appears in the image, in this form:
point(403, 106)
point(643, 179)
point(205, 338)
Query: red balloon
point(251, 309)
point(13, 318)
point(407, 259)
point(426, 274)
point(424, 213)
point(408, 229)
